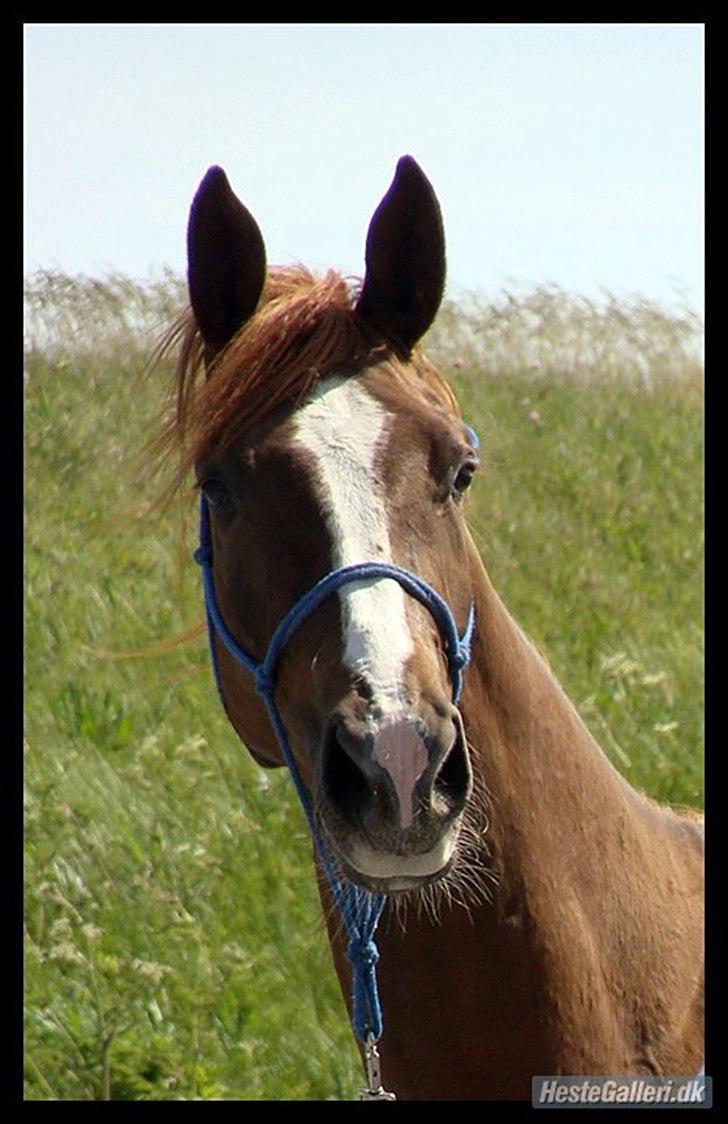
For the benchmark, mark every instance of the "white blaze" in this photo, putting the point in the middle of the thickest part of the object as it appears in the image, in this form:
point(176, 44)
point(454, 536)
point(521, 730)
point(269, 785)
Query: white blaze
point(342, 427)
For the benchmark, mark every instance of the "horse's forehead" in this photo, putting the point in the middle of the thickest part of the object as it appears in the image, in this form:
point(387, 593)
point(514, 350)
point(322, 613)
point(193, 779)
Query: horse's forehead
point(368, 428)
point(343, 431)
point(342, 409)
point(362, 410)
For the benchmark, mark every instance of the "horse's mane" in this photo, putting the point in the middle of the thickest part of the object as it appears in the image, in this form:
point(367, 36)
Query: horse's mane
point(303, 329)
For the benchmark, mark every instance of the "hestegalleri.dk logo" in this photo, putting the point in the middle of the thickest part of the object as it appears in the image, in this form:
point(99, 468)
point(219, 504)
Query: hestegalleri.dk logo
point(621, 1092)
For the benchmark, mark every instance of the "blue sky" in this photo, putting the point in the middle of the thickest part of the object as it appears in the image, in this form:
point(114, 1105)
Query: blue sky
point(570, 153)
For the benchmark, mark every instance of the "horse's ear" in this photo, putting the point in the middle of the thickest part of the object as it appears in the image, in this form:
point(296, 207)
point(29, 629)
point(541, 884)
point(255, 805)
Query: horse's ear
point(405, 258)
point(225, 261)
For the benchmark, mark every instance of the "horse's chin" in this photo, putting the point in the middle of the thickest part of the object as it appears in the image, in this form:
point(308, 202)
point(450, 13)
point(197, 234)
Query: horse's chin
point(390, 872)
point(397, 884)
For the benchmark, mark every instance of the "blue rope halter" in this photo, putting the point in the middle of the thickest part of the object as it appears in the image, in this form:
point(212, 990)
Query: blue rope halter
point(359, 909)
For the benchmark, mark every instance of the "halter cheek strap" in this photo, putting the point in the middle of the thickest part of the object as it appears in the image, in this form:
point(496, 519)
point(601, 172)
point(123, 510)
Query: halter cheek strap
point(359, 909)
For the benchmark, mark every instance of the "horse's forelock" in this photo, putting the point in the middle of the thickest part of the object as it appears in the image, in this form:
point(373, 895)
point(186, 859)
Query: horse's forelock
point(304, 328)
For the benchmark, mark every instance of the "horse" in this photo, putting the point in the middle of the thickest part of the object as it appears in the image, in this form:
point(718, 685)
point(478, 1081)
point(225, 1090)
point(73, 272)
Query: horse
point(545, 916)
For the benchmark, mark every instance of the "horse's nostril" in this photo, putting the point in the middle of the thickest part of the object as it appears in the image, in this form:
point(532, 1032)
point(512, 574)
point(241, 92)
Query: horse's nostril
point(344, 781)
point(454, 777)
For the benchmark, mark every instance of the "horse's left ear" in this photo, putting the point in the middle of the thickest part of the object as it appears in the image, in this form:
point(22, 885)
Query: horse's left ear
point(225, 261)
point(405, 258)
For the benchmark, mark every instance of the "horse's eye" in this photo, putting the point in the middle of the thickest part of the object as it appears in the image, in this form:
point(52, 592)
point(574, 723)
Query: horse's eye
point(216, 491)
point(464, 477)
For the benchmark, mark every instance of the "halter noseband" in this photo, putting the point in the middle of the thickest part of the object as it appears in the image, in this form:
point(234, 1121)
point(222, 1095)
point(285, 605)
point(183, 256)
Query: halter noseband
point(360, 910)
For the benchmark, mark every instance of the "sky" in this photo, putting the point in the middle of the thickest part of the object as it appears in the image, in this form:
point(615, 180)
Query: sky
point(562, 153)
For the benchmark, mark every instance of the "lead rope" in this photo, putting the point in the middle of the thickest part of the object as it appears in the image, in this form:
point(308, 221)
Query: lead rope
point(359, 909)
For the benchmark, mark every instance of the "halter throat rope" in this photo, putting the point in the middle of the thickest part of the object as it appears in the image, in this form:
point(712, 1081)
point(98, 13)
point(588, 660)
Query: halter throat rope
point(359, 909)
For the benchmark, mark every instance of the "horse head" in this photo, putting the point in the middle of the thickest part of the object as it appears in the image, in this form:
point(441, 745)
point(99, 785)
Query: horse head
point(326, 440)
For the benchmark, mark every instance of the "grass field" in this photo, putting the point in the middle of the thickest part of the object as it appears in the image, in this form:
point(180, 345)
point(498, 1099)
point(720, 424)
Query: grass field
point(174, 947)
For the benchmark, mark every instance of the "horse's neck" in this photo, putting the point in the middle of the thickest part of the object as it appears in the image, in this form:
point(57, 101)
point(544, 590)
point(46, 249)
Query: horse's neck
point(548, 782)
point(558, 810)
point(587, 870)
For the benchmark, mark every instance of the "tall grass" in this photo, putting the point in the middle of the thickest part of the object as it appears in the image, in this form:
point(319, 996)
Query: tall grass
point(174, 946)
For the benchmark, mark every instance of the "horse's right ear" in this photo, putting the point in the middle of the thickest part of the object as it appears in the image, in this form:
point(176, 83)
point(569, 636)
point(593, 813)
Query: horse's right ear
point(225, 261)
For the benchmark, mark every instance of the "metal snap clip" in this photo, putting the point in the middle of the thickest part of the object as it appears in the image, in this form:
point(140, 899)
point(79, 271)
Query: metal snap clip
point(375, 1092)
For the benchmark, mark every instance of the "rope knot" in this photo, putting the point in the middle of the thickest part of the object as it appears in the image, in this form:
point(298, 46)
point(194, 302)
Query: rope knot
point(461, 658)
point(362, 951)
point(263, 682)
point(203, 556)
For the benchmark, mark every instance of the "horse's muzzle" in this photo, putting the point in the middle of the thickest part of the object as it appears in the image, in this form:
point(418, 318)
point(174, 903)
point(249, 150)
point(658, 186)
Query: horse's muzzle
point(391, 791)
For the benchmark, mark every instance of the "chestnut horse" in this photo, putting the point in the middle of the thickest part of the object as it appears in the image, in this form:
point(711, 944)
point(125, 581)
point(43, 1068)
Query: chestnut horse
point(552, 916)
